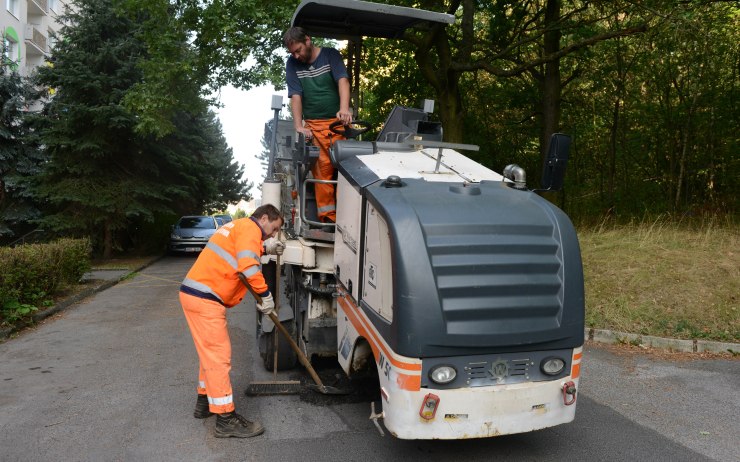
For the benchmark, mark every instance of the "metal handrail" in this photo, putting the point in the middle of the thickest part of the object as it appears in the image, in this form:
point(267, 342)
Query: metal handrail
point(303, 202)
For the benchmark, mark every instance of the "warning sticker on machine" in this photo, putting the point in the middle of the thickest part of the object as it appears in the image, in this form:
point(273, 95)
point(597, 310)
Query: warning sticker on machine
point(372, 275)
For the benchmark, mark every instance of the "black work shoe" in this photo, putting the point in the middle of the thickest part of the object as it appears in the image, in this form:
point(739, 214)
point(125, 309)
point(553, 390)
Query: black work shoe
point(201, 408)
point(232, 424)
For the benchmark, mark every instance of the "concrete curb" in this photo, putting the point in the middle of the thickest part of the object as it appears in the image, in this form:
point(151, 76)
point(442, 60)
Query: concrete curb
point(40, 316)
point(673, 344)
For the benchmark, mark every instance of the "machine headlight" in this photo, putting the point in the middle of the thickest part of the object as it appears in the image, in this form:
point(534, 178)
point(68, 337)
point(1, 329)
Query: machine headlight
point(174, 236)
point(443, 374)
point(552, 366)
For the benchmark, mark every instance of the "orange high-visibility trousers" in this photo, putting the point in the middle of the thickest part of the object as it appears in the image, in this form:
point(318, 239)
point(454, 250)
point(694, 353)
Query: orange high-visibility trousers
point(207, 322)
point(323, 169)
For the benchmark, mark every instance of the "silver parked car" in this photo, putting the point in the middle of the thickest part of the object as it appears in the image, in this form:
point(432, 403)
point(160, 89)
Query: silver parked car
point(226, 218)
point(191, 233)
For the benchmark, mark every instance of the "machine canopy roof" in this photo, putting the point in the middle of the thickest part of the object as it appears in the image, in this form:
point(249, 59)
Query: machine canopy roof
point(352, 19)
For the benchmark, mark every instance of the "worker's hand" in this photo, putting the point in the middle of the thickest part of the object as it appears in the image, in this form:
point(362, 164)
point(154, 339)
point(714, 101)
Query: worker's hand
point(274, 247)
point(305, 132)
point(267, 306)
point(345, 116)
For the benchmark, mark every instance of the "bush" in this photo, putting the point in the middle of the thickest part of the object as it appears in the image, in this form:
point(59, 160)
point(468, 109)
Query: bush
point(31, 274)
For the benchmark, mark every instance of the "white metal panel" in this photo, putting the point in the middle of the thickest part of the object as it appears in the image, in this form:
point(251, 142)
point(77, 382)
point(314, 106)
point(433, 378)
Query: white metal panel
point(479, 412)
point(347, 236)
point(454, 166)
point(377, 286)
point(297, 252)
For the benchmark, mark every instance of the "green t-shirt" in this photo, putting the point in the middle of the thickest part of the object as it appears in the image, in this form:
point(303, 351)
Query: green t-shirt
point(316, 83)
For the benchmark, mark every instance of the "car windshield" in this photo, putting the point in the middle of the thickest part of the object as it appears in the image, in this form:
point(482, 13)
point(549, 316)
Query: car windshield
point(197, 222)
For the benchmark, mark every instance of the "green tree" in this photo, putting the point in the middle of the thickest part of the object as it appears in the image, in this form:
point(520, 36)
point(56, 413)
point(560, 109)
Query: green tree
point(224, 176)
point(105, 174)
point(505, 39)
point(695, 95)
point(652, 129)
point(655, 117)
point(20, 157)
point(233, 41)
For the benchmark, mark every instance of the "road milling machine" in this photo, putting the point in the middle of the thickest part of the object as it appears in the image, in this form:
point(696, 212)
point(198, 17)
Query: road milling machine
point(458, 286)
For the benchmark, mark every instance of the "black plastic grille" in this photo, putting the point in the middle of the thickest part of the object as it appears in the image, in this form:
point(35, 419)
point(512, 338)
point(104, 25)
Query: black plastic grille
point(496, 279)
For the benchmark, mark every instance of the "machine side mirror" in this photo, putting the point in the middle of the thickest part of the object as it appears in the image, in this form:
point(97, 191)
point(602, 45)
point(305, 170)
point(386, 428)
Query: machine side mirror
point(553, 169)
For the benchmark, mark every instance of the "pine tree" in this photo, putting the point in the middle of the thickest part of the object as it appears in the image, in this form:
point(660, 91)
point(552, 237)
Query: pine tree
point(20, 158)
point(104, 176)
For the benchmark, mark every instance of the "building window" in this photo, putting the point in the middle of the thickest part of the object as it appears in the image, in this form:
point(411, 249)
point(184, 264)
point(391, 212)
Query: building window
point(12, 6)
point(10, 50)
point(52, 41)
point(53, 5)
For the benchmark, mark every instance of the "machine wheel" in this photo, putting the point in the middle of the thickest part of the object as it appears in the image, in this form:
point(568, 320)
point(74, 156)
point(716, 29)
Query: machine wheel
point(287, 358)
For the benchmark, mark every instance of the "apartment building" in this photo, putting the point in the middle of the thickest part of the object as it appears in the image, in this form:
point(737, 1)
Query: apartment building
point(27, 27)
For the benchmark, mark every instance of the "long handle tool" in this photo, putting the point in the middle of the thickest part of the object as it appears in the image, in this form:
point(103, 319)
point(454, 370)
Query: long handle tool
point(275, 337)
point(319, 387)
point(276, 387)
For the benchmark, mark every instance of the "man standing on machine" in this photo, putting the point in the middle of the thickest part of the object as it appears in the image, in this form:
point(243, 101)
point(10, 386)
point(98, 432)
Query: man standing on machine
point(318, 88)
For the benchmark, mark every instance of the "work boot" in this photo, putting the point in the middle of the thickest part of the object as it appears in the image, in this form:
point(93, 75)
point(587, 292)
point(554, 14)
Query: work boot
point(201, 408)
point(232, 424)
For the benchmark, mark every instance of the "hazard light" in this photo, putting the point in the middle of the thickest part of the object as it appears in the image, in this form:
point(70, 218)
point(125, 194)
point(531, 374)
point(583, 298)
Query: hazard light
point(429, 406)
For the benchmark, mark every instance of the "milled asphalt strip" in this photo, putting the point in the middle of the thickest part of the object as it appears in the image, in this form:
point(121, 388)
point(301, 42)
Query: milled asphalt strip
point(41, 315)
point(594, 335)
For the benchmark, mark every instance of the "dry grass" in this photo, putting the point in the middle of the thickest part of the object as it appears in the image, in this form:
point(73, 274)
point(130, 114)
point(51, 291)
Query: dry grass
point(664, 278)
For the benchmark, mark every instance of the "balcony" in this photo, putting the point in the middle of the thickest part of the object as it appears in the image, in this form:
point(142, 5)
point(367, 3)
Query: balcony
point(38, 7)
point(35, 41)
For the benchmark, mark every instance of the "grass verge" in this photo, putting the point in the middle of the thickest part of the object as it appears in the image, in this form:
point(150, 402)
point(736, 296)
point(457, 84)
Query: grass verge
point(664, 278)
point(130, 264)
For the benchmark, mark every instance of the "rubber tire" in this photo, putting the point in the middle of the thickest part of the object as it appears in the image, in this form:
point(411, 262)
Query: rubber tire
point(287, 358)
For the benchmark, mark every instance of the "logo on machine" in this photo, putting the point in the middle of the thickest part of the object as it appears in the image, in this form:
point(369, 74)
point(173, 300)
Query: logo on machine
point(499, 370)
point(351, 243)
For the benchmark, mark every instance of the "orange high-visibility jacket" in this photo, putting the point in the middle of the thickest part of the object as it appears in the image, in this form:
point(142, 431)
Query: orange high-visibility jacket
point(235, 247)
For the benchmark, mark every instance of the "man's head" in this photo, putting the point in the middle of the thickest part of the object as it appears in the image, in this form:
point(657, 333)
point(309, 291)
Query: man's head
point(269, 218)
point(299, 44)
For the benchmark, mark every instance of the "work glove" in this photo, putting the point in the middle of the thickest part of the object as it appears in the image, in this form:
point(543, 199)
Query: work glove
point(274, 247)
point(267, 306)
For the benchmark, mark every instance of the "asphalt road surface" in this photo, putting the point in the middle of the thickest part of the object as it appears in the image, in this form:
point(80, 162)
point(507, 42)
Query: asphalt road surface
point(113, 379)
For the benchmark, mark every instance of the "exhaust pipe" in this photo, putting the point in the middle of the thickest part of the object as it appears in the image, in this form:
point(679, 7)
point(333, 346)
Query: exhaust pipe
point(516, 174)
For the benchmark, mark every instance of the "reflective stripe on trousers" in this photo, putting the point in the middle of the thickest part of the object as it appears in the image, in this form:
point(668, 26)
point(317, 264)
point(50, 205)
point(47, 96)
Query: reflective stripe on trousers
point(323, 169)
point(207, 322)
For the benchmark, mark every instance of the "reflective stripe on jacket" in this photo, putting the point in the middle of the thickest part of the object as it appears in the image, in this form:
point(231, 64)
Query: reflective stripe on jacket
point(235, 247)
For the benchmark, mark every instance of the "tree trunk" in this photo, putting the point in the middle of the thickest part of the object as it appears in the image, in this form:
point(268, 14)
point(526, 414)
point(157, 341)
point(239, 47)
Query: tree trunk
point(444, 80)
point(107, 240)
point(615, 127)
point(450, 111)
point(550, 84)
point(611, 201)
point(684, 152)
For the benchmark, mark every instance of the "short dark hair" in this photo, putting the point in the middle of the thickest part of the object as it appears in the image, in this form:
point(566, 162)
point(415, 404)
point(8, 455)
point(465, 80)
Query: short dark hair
point(270, 210)
point(295, 34)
